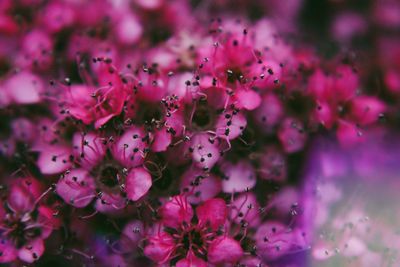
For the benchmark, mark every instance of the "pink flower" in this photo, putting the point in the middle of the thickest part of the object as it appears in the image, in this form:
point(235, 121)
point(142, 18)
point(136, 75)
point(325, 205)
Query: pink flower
point(112, 181)
point(97, 105)
point(339, 104)
point(25, 223)
point(195, 241)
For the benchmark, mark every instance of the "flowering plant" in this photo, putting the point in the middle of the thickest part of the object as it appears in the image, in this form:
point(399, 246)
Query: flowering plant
point(198, 133)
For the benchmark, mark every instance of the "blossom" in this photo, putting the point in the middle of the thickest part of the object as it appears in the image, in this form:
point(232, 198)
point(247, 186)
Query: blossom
point(112, 181)
point(25, 222)
point(195, 240)
point(198, 133)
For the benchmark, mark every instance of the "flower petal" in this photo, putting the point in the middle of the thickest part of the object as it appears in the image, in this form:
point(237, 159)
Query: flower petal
point(54, 159)
point(212, 212)
point(238, 177)
point(224, 250)
point(8, 252)
point(76, 188)
point(31, 251)
point(176, 211)
point(138, 182)
point(160, 248)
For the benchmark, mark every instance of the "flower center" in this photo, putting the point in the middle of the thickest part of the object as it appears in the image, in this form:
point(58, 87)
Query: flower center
point(149, 114)
point(20, 231)
point(343, 109)
point(203, 119)
point(109, 176)
point(234, 74)
point(191, 238)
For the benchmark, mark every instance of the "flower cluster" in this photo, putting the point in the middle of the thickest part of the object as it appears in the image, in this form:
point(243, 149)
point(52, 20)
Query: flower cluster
point(175, 133)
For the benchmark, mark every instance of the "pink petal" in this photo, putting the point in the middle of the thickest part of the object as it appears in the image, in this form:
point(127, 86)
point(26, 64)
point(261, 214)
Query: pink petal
point(129, 149)
point(54, 159)
point(292, 135)
point(103, 120)
point(273, 164)
point(8, 25)
point(31, 251)
point(346, 83)
point(128, 29)
point(212, 212)
point(246, 208)
point(176, 211)
point(191, 261)
point(319, 85)
point(286, 200)
point(153, 90)
point(138, 182)
point(206, 186)
point(35, 42)
point(238, 177)
point(8, 252)
point(252, 261)
point(349, 134)
point(231, 125)
point(175, 121)
point(269, 113)
point(216, 96)
point(5, 98)
point(80, 103)
point(111, 204)
point(160, 248)
point(323, 114)
point(57, 16)
point(162, 139)
point(149, 4)
point(23, 194)
point(23, 129)
point(77, 188)
point(275, 240)
point(88, 149)
point(224, 250)
point(392, 81)
point(24, 88)
point(132, 234)
point(205, 152)
point(46, 217)
point(248, 99)
point(366, 109)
